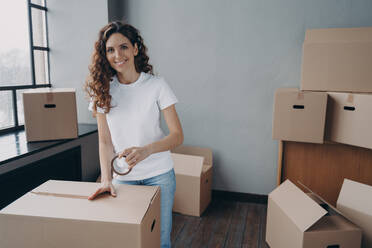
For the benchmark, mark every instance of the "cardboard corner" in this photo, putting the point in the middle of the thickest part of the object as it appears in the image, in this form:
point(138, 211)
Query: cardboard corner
point(195, 151)
point(188, 164)
point(295, 203)
point(357, 196)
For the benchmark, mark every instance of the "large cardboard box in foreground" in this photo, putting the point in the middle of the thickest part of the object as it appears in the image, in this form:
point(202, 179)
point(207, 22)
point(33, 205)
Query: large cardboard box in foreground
point(58, 214)
point(349, 119)
point(193, 168)
point(50, 114)
point(355, 202)
point(337, 59)
point(296, 219)
point(299, 116)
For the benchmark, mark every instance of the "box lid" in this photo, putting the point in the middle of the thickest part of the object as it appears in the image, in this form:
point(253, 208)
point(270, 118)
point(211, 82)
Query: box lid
point(300, 95)
point(300, 208)
point(187, 164)
point(68, 200)
point(197, 151)
point(357, 196)
point(49, 90)
point(339, 35)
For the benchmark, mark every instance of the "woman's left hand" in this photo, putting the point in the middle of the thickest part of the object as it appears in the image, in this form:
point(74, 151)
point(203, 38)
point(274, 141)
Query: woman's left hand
point(134, 155)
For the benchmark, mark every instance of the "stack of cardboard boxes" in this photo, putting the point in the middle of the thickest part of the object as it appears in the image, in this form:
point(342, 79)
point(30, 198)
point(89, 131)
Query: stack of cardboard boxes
point(334, 104)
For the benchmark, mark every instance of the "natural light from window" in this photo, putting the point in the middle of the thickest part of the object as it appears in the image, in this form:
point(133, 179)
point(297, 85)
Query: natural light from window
point(23, 62)
point(15, 45)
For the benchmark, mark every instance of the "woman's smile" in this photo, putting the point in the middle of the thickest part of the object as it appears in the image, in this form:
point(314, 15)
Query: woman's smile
point(120, 53)
point(119, 63)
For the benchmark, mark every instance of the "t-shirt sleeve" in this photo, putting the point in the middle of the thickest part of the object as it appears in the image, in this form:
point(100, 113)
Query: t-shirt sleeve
point(90, 107)
point(166, 96)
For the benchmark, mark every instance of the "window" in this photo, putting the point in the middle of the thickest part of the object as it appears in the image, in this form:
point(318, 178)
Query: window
point(24, 57)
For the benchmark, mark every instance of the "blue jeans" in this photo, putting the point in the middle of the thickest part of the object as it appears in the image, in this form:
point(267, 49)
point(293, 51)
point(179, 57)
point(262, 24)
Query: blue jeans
point(167, 183)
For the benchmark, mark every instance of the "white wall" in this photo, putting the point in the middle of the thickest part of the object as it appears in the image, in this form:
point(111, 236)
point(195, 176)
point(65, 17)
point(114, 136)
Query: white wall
point(73, 28)
point(224, 59)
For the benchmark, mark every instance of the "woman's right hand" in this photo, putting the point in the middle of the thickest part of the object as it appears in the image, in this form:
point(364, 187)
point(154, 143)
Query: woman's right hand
point(104, 187)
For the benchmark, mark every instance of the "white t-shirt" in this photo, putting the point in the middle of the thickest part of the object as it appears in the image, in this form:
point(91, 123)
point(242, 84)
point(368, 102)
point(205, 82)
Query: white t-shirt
point(134, 120)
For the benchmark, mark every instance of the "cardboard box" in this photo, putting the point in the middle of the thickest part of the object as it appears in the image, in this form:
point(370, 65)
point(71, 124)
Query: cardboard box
point(58, 214)
point(299, 116)
point(338, 59)
point(50, 114)
point(355, 202)
point(296, 219)
point(349, 119)
point(193, 168)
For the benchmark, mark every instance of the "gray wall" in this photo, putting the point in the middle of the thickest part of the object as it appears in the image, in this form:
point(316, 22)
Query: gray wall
point(73, 28)
point(224, 60)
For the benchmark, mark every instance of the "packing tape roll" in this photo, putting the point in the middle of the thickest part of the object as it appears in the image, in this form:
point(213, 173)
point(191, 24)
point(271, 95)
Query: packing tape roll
point(117, 169)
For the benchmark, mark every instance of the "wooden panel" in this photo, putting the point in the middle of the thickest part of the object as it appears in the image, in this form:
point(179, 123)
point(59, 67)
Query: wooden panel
point(280, 162)
point(323, 167)
point(365, 160)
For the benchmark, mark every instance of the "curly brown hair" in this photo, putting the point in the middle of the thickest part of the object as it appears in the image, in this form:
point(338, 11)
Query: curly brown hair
point(97, 84)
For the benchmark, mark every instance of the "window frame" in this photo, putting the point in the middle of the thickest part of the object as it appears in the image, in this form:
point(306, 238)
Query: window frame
point(33, 48)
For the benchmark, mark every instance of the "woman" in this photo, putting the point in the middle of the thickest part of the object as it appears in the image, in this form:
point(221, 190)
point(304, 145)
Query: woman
point(127, 100)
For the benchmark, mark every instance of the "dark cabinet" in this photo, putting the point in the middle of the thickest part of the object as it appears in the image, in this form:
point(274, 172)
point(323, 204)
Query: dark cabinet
point(62, 166)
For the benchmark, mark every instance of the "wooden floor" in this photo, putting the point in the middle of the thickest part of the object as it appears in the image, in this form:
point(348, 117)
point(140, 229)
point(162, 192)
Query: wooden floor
point(223, 224)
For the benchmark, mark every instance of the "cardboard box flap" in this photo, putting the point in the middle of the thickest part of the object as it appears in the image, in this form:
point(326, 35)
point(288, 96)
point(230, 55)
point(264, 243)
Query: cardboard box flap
point(301, 96)
point(130, 205)
point(339, 35)
point(152, 201)
point(196, 151)
point(321, 200)
point(300, 208)
point(280, 90)
point(49, 90)
point(187, 164)
point(357, 196)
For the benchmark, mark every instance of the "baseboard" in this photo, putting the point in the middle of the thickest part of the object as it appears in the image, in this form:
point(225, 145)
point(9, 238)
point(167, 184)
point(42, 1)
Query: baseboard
point(240, 197)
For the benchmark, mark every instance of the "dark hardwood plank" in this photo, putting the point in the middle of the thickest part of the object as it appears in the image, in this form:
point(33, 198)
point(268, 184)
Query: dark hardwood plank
point(206, 227)
point(188, 232)
point(263, 216)
point(252, 227)
point(178, 223)
point(222, 224)
point(237, 227)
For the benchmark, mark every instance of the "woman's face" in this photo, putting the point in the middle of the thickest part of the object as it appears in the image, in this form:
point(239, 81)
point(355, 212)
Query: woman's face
point(120, 53)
